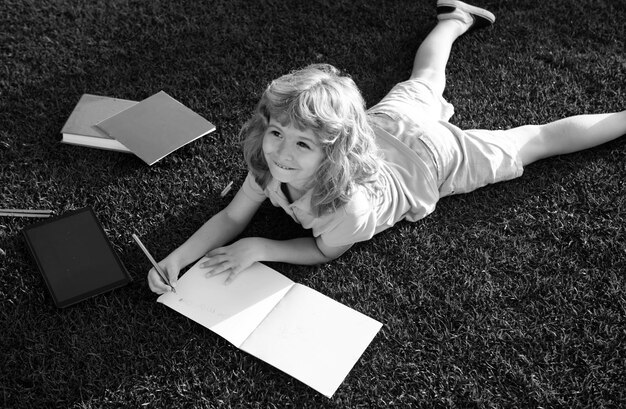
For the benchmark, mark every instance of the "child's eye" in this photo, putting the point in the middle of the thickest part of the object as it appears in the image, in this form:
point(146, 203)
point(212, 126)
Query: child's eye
point(304, 145)
point(276, 134)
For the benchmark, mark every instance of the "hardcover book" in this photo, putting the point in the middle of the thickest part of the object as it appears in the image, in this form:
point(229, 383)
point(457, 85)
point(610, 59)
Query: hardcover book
point(155, 127)
point(79, 128)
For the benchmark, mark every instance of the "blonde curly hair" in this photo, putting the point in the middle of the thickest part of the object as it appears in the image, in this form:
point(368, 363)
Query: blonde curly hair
point(320, 98)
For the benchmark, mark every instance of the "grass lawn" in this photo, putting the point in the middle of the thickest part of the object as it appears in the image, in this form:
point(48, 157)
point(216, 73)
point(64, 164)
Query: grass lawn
point(511, 296)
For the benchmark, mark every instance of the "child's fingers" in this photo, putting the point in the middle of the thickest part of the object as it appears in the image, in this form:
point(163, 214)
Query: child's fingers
point(173, 279)
point(171, 274)
point(217, 267)
point(212, 262)
point(216, 272)
point(231, 277)
point(219, 262)
point(208, 264)
point(156, 284)
point(213, 258)
point(215, 252)
point(223, 268)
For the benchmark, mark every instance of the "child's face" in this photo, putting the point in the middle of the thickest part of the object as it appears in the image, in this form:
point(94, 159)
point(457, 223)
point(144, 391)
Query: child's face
point(293, 155)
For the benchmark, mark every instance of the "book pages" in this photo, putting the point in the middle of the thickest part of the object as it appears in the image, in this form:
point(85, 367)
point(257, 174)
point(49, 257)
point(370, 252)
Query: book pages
point(298, 330)
point(232, 311)
point(313, 338)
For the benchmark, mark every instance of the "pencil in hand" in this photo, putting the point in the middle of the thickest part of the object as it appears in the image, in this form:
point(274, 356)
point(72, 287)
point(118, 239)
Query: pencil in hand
point(154, 263)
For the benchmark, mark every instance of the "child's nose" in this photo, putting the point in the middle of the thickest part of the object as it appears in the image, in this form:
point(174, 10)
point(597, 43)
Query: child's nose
point(284, 150)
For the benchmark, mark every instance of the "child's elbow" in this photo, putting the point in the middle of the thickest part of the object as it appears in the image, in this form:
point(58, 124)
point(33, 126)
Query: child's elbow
point(327, 258)
point(331, 253)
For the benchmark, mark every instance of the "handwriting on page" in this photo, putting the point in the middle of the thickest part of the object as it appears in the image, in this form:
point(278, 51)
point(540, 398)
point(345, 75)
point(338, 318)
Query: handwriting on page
point(203, 307)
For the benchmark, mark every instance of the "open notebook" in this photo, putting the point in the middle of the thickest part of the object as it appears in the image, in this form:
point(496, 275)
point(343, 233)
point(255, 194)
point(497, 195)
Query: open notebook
point(298, 330)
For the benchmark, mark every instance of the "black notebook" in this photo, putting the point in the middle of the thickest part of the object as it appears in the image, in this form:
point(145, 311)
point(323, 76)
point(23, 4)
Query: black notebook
point(75, 257)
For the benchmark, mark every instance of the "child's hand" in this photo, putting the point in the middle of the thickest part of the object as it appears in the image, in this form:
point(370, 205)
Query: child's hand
point(232, 259)
point(155, 282)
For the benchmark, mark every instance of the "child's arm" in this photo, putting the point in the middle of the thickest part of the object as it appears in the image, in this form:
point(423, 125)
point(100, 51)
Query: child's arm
point(241, 254)
point(218, 230)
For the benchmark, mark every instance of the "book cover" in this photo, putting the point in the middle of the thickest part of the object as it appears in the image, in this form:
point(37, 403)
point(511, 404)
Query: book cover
point(156, 127)
point(80, 129)
point(294, 328)
point(75, 257)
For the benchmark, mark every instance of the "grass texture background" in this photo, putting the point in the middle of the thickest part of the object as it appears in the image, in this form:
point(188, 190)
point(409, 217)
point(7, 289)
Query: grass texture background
point(511, 296)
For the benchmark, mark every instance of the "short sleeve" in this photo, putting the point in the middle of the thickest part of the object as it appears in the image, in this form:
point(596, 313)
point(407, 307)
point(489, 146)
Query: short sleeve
point(354, 222)
point(252, 189)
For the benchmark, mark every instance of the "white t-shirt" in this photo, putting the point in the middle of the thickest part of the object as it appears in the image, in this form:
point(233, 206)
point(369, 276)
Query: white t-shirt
point(409, 192)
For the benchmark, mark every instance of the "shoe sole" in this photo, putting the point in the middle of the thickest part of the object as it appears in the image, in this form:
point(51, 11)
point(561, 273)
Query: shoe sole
point(482, 18)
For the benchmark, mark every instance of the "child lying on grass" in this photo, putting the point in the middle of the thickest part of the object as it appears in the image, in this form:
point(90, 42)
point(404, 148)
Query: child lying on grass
point(348, 173)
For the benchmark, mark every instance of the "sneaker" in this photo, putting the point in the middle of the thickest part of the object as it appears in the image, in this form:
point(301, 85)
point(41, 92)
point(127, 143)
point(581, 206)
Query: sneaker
point(475, 16)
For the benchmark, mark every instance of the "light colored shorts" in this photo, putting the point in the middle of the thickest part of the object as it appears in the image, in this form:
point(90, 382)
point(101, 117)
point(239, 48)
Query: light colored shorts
point(462, 160)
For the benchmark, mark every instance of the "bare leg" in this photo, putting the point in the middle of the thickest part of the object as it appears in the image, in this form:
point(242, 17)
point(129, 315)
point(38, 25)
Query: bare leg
point(534, 142)
point(433, 54)
point(455, 18)
point(567, 135)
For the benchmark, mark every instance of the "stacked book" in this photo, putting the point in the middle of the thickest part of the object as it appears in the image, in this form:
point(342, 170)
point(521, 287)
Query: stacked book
point(151, 129)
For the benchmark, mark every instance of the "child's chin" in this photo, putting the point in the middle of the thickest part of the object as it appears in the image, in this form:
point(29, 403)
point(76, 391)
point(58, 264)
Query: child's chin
point(280, 178)
point(281, 175)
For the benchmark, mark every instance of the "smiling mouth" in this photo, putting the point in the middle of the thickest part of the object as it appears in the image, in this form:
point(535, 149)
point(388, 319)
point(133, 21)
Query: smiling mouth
point(282, 166)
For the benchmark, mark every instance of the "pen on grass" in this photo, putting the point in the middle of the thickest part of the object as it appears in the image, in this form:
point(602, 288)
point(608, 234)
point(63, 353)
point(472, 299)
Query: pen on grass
point(25, 213)
point(226, 189)
point(154, 263)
